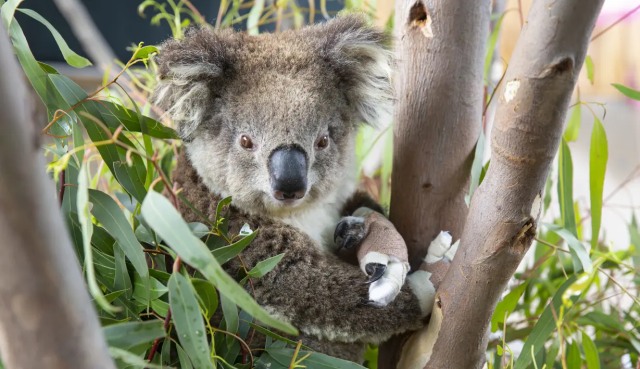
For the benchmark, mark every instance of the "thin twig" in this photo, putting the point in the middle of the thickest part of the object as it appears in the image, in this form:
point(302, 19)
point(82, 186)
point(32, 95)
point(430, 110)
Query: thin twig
point(61, 192)
point(628, 14)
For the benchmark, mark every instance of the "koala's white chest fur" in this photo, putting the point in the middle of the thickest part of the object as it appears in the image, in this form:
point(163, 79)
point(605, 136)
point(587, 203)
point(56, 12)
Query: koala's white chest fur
point(318, 222)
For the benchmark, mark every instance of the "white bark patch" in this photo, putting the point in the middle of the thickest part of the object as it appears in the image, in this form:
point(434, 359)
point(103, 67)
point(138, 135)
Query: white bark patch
point(427, 30)
point(511, 90)
point(417, 351)
point(536, 207)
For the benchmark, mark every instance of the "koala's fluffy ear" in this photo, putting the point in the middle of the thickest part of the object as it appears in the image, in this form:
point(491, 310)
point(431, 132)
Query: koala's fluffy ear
point(360, 56)
point(188, 69)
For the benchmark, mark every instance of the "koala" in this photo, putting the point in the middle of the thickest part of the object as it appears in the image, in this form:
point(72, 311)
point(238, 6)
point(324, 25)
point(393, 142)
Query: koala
point(271, 120)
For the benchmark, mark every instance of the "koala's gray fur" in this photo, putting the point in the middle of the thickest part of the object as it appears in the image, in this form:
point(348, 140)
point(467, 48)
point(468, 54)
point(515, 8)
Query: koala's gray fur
point(287, 89)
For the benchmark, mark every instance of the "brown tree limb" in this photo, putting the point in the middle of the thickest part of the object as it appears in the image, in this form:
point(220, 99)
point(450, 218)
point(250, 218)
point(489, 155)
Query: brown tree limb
point(440, 48)
point(46, 317)
point(533, 102)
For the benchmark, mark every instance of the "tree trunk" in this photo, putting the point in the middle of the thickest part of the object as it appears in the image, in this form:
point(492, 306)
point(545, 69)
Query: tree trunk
point(46, 317)
point(440, 47)
point(533, 102)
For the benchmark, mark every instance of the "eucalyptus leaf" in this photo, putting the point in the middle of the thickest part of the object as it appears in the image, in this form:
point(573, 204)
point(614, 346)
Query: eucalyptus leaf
point(598, 156)
point(131, 334)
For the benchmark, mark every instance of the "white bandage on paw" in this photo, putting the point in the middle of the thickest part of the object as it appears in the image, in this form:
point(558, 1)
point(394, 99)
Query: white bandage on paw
point(384, 290)
point(441, 247)
point(421, 285)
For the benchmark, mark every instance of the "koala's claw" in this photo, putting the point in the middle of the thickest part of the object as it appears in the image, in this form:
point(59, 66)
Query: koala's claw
point(375, 271)
point(349, 232)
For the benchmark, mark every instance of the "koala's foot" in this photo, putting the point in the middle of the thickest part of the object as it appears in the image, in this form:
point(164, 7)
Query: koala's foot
point(386, 275)
point(441, 248)
point(349, 232)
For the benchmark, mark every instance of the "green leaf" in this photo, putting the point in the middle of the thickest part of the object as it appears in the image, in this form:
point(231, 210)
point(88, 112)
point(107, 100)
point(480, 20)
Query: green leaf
point(70, 57)
point(254, 17)
point(506, 306)
point(491, 46)
point(574, 361)
point(131, 359)
point(476, 167)
point(634, 236)
point(543, 328)
point(131, 334)
point(113, 220)
point(565, 188)
point(628, 92)
point(598, 155)
point(84, 218)
point(144, 294)
point(573, 124)
point(165, 220)
point(265, 266)
point(8, 11)
point(188, 321)
point(579, 252)
point(315, 360)
point(590, 352)
point(589, 64)
point(144, 52)
point(226, 253)
point(207, 296)
point(122, 281)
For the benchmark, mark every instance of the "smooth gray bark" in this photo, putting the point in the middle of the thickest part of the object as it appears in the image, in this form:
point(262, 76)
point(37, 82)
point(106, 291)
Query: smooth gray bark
point(502, 221)
point(440, 47)
point(46, 317)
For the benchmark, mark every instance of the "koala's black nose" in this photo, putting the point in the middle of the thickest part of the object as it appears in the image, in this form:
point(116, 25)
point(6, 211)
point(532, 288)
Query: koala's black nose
point(288, 170)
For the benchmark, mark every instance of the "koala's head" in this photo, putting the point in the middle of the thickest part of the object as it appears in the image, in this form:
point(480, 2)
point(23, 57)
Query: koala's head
point(270, 120)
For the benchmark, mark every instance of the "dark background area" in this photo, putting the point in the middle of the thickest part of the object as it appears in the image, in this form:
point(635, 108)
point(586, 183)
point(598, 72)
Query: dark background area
point(119, 22)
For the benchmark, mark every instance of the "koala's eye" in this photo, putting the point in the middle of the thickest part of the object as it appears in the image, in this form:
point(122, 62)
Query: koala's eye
point(246, 142)
point(322, 142)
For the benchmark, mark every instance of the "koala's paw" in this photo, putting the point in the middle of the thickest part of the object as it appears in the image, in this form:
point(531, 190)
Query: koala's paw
point(349, 232)
point(441, 248)
point(423, 288)
point(386, 275)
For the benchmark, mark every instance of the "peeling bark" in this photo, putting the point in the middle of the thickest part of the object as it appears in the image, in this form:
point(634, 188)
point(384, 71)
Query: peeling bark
point(504, 210)
point(46, 317)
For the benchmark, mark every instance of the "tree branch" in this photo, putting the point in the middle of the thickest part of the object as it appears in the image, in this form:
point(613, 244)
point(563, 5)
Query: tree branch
point(440, 49)
point(46, 317)
point(533, 103)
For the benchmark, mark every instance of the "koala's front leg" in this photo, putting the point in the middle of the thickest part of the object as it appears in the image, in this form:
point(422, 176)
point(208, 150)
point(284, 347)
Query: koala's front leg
point(320, 294)
point(382, 253)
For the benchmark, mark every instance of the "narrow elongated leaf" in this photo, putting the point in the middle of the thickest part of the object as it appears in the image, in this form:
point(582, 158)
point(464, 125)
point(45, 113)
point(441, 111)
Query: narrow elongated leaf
point(84, 217)
point(122, 281)
point(565, 188)
point(8, 11)
point(590, 352)
point(113, 220)
point(188, 321)
point(574, 361)
point(476, 167)
point(315, 360)
point(132, 360)
point(70, 57)
point(506, 306)
point(144, 294)
point(543, 328)
point(165, 220)
point(578, 251)
point(207, 296)
point(573, 124)
point(265, 266)
point(588, 62)
point(598, 156)
point(627, 91)
point(634, 235)
point(254, 17)
point(226, 253)
point(131, 334)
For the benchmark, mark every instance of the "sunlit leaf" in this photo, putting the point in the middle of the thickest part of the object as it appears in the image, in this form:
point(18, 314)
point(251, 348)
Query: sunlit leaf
point(590, 352)
point(574, 361)
point(578, 251)
point(627, 91)
point(598, 155)
point(565, 188)
point(573, 124)
point(588, 62)
point(506, 306)
point(69, 55)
